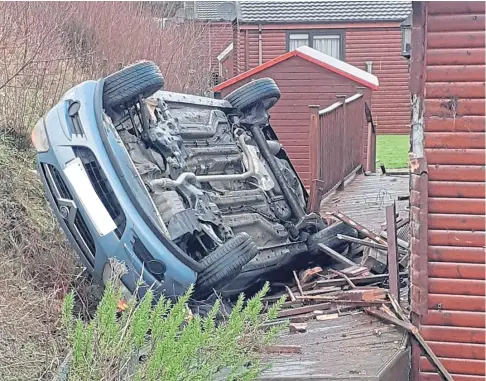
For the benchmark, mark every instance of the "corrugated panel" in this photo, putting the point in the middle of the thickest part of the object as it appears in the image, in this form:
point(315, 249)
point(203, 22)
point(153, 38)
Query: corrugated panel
point(391, 103)
point(301, 83)
point(454, 110)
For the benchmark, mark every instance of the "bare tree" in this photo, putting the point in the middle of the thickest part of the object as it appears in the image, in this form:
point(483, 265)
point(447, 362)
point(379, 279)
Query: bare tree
point(45, 48)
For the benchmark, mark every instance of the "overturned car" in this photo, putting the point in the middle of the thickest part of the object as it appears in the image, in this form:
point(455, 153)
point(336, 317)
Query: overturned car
point(182, 189)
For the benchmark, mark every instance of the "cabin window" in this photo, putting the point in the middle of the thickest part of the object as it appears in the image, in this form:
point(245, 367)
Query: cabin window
point(296, 40)
point(328, 42)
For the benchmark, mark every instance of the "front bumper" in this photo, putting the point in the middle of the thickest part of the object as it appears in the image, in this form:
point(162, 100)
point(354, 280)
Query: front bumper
point(131, 242)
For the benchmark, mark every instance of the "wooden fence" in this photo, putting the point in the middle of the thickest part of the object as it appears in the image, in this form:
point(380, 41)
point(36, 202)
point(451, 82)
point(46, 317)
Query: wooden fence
point(338, 145)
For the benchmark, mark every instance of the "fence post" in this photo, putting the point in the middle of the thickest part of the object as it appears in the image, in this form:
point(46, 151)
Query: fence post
point(391, 229)
point(371, 146)
point(342, 125)
point(314, 157)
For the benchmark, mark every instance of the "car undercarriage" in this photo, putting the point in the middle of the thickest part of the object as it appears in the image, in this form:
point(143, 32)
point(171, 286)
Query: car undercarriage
point(209, 180)
point(226, 199)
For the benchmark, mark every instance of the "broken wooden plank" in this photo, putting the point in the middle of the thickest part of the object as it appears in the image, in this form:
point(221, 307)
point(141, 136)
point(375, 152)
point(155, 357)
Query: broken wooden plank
point(361, 241)
point(309, 274)
point(364, 294)
point(360, 228)
point(303, 310)
point(297, 327)
point(404, 245)
point(291, 294)
point(334, 300)
point(323, 290)
point(393, 279)
point(344, 276)
point(356, 271)
point(327, 317)
point(335, 255)
point(298, 283)
point(396, 306)
point(389, 319)
point(359, 303)
point(416, 334)
point(368, 243)
point(403, 222)
point(360, 280)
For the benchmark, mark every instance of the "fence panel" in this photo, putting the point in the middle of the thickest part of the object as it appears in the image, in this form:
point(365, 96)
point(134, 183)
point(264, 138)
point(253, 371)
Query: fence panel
point(336, 145)
point(353, 127)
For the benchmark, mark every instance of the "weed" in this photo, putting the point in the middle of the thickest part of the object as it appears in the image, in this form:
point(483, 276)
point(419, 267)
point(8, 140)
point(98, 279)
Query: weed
point(163, 341)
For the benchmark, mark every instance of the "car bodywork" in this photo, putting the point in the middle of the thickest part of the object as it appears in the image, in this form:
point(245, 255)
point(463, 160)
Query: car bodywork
point(161, 184)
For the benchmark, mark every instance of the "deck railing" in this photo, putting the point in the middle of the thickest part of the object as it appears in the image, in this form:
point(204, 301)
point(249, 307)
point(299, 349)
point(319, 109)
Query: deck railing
point(338, 138)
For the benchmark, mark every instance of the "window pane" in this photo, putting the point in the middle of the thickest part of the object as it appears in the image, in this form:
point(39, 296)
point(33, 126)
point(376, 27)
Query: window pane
point(297, 40)
point(329, 45)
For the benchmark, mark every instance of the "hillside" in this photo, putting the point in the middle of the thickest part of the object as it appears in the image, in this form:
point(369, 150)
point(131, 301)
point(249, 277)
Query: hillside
point(46, 48)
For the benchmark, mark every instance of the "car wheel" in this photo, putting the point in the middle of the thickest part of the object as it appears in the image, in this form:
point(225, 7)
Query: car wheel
point(225, 263)
point(123, 87)
point(262, 90)
point(328, 237)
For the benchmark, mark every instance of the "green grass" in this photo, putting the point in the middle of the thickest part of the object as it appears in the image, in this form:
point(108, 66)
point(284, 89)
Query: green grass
point(392, 150)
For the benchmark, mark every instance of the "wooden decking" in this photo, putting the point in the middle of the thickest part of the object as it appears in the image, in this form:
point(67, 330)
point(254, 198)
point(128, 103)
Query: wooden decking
point(364, 199)
point(355, 347)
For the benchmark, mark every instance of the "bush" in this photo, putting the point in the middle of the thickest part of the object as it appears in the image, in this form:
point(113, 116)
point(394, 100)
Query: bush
point(164, 341)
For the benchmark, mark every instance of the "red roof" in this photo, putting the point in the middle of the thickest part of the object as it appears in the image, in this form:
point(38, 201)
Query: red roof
point(327, 62)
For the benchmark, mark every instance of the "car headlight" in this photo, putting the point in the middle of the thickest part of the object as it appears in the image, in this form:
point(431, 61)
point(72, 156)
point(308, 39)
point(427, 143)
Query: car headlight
point(39, 137)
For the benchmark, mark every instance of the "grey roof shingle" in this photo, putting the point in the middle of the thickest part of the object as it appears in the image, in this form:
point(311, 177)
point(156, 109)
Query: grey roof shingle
point(322, 11)
point(215, 10)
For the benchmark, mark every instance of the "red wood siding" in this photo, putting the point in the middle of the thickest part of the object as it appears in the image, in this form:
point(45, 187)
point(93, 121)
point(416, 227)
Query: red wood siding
point(391, 103)
point(451, 91)
point(301, 83)
point(379, 43)
point(220, 36)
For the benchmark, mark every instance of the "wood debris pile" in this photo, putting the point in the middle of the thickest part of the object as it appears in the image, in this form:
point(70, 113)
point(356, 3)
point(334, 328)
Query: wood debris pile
point(362, 279)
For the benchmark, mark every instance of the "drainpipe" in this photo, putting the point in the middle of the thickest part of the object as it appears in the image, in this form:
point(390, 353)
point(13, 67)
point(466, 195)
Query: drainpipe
point(260, 53)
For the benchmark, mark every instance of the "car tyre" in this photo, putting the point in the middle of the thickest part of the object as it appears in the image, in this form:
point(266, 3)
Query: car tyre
point(262, 90)
point(124, 87)
point(225, 263)
point(328, 237)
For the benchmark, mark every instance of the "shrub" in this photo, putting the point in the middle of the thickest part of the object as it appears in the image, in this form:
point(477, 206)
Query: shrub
point(163, 341)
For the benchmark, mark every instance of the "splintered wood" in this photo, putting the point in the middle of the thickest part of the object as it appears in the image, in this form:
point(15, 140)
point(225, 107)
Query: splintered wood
point(347, 285)
point(326, 302)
